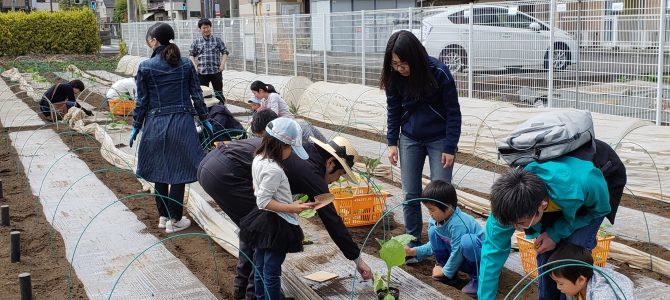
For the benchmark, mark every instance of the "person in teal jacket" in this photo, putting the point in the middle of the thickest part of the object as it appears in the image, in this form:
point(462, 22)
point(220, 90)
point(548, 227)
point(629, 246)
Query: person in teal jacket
point(562, 200)
point(454, 237)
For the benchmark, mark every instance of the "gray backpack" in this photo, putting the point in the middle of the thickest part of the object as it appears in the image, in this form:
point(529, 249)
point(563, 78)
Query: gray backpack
point(546, 136)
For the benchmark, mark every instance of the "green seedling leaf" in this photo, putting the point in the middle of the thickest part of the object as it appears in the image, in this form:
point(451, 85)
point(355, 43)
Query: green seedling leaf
point(404, 239)
point(300, 197)
point(389, 297)
point(379, 284)
point(393, 253)
point(307, 213)
point(381, 242)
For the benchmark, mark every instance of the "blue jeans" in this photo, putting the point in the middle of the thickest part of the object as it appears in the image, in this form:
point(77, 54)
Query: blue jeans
point(584, 237)
point(412, 156)
point(471, 249)
point(269, 264)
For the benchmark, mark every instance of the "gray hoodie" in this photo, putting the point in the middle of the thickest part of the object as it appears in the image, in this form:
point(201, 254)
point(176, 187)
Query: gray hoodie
point(599, 287)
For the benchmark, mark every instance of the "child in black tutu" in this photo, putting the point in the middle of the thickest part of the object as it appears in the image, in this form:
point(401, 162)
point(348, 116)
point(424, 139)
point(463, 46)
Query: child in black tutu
point(273, 229)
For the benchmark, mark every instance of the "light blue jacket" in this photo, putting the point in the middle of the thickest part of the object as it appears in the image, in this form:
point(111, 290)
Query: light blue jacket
point(571, 183)
point(452, 230)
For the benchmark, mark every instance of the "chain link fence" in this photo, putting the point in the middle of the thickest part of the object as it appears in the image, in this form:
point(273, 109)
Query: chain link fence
point(604, 56)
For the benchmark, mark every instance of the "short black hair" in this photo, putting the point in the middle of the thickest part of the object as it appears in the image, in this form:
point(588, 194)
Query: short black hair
point(442, 191)
point(326, 155)
point(564, 270)
point(515, 195)
point(77, 84)
point(261, 119)
point(204, 21)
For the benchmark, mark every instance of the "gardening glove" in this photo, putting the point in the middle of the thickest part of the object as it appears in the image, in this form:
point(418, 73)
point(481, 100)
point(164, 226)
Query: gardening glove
point(133, 136)
point(208, 125)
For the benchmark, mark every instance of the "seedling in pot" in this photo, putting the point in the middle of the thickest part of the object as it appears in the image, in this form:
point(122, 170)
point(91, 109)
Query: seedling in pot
point(392, 252)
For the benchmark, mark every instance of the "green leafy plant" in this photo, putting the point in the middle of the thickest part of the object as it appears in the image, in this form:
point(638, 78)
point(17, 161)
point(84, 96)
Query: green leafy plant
point(123, 48)
point(294, 108)
point(603, 232)
point(392, 252)
point(308, 213)
point(371, 165)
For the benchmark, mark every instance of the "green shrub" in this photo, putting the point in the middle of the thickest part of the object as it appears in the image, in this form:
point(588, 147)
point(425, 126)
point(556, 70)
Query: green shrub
point(42, 32)
point(123, 48)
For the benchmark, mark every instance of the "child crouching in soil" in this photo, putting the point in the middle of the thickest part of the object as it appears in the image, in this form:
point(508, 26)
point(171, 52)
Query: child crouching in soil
point(273, 229)
point(582, 282)
point(454, 237)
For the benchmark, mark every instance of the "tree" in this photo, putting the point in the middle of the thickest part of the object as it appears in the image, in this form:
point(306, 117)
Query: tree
point(120, 11)
point(70, 4)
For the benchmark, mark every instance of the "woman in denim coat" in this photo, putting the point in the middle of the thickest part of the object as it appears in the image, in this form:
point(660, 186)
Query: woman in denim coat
point(169, 151)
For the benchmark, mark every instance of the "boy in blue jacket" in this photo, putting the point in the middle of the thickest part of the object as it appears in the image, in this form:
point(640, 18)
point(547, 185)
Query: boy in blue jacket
point(562, 200)
point(454, 237)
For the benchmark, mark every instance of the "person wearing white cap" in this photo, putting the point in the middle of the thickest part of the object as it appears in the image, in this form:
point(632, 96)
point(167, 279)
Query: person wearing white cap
point(225, 174)
point(273, 229)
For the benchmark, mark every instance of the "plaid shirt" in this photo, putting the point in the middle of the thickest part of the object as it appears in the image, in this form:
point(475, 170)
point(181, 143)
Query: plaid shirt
point(208, 51)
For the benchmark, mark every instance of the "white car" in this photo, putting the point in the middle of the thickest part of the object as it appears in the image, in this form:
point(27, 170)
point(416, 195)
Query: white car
point(502, 38)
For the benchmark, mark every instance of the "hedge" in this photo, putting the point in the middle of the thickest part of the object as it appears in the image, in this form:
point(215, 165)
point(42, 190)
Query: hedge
point(42, 32)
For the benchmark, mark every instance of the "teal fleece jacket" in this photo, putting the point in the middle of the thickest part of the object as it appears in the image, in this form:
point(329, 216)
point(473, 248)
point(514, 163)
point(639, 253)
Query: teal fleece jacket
point(453, 229)
point(571, 183)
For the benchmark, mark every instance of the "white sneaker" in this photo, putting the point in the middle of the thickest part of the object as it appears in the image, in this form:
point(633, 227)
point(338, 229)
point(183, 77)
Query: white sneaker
point(172, 226)
point(161, 222)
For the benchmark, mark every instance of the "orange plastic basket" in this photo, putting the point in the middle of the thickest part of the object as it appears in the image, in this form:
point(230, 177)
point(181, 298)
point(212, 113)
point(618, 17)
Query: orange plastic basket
point(357, 207)
point(529, 260)
point(121, 107)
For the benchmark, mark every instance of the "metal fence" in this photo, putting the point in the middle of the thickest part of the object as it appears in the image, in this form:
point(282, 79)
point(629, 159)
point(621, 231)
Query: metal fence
point(605, 56)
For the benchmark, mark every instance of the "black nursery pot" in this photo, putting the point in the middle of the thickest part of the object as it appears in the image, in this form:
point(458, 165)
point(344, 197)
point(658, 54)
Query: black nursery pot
point(391, 291)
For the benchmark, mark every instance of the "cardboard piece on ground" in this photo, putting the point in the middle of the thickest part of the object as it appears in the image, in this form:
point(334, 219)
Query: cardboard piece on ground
point(321, 276)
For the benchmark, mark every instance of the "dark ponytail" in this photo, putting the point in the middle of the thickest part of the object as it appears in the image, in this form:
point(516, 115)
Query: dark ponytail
point(171, 54)
point(258, 85)
point(163, 33)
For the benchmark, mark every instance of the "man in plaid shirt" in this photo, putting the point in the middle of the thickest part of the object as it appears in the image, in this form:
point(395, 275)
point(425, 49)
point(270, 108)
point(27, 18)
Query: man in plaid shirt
point(209, 55)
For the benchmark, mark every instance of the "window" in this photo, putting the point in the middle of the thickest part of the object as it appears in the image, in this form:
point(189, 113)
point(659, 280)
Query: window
point(484, 16)
point(459, 18)
point(519, 20)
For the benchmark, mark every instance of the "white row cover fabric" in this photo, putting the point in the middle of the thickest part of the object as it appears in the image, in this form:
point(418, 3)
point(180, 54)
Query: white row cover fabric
point(641, 145)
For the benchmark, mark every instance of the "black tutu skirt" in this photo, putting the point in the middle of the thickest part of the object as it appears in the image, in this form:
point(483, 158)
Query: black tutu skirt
point(264, 229)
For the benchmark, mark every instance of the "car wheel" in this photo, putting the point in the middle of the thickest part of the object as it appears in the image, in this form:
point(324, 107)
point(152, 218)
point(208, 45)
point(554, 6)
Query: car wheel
point(561, 57)
point(455, 58)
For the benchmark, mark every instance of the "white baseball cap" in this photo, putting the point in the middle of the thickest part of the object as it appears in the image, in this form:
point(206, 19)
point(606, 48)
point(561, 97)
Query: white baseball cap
point(288, 131)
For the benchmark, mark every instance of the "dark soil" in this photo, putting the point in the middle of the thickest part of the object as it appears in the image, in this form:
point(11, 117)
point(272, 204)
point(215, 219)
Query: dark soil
point(49, 273)
point(213, 266)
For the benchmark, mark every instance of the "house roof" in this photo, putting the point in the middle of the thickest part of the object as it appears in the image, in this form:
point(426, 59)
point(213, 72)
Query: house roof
point(109, 3)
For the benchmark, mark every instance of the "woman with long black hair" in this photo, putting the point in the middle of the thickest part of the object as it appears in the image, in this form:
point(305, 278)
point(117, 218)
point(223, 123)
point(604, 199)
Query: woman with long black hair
point(169, 152)
point(424, 119)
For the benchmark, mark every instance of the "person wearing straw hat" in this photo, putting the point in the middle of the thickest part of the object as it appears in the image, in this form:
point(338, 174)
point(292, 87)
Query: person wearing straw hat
point(225, 174)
